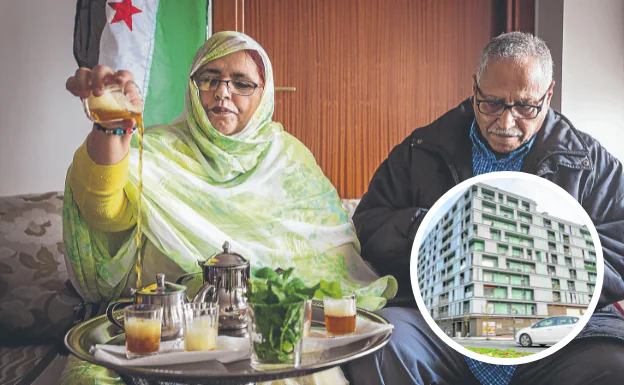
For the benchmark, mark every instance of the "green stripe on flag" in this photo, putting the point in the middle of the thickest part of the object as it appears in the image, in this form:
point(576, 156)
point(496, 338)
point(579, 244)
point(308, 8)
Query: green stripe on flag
point(180, 31)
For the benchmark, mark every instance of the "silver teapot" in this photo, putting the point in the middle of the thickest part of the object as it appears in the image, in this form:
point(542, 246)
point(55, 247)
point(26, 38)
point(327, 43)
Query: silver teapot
point(225, 278)
point(168, 295)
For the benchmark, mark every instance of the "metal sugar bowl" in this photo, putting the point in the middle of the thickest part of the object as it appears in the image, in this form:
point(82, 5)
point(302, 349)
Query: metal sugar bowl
point(225, 278)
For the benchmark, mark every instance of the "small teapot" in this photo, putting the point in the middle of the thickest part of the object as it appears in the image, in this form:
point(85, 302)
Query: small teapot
point(168, 295)
point(225, 278)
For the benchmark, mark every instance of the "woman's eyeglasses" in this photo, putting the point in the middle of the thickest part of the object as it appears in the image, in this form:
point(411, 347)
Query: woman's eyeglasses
point(236, 87)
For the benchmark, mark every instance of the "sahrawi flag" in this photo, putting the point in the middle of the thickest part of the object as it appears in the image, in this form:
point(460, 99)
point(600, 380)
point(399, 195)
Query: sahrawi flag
point(156, 40)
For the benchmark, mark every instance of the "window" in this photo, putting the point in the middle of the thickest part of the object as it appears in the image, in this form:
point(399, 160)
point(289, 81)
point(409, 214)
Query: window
point(591, 266)
point(512, 202)
point(489, 208)
point(547, 223)
point(572, 273)
point(496, 234)
point(476, 245)
point(592, 277)
point(512, 238)
point(555, 284)
point(506, 213)
point(538, 256)
point(585, 234)
point(513, 265)
point(564, 321)
point(551, 236)
point(516, 252)
point(568, 262)
point(556, 296)
point(545, 323)
point(525, 217)
point(524, 229)
point(502, 249)
point(526, 206)
point(487, 194)
point(551, 270)
point(489, 261)
point(552, 246)
point(571, 286)
point(553, 259)
point(566, 239)
point(561, 227)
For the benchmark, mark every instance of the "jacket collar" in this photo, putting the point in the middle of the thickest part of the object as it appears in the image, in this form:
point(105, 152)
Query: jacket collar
point(557, 143)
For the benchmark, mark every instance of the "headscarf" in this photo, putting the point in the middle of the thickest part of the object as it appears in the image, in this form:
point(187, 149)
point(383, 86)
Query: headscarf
point(260, 189)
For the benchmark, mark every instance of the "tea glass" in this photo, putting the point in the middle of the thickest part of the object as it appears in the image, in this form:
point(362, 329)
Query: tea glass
point(142, 324)
point(114, 104)
point(340, 315)
point(276, 335)
point(201, 325)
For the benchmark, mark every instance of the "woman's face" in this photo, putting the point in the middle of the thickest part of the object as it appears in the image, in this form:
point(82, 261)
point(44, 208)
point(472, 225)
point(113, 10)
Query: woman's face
point(229, 113)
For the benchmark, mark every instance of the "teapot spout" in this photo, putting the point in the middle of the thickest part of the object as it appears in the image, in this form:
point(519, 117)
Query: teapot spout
point(208, 293)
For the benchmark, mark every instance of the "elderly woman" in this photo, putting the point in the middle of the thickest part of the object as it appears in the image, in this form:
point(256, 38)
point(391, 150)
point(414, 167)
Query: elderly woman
point(223, 170)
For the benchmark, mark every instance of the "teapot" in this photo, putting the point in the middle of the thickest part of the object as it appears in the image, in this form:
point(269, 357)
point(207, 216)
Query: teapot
point(225, 278)
point(168, 295)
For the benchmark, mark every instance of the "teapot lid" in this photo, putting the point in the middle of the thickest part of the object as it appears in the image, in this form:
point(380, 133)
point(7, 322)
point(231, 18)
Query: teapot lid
point(227, 258)
point(161, 287)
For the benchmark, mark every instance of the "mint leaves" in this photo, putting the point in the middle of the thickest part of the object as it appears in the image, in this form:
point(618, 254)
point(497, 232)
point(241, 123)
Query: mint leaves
point(276, 306)
point(270, 288)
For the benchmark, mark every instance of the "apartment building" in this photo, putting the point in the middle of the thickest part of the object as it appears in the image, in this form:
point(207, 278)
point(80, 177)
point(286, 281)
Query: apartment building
point(493, 264)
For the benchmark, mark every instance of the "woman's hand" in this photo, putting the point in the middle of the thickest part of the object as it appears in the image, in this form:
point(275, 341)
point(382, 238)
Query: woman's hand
point(102, 148)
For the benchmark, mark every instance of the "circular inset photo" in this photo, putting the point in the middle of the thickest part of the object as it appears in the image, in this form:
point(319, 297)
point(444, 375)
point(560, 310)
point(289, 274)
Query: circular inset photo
point(507, 268)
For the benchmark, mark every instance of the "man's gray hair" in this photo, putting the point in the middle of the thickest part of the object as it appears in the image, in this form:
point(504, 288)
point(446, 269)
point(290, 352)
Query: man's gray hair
point(517, 47)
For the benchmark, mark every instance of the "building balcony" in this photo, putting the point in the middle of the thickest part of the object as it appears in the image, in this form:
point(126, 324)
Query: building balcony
point(444, 301)
point(556, 287)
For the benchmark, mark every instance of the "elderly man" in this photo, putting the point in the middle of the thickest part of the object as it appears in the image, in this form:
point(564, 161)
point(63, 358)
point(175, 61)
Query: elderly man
point(506, 125)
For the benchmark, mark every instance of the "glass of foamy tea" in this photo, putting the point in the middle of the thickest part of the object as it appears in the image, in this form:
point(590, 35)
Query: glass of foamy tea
point(115, 104)
point(142, 326)
point(201, 325)
point(340, 315)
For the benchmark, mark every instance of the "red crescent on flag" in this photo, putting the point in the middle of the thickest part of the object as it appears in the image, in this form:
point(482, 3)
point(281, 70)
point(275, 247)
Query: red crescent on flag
point(124, 12)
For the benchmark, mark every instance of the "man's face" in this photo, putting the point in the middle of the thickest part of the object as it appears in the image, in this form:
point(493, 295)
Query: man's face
point(508, 82)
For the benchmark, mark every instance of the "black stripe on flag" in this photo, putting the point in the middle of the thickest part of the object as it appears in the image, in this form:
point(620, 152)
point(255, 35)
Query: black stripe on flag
point(88, 26)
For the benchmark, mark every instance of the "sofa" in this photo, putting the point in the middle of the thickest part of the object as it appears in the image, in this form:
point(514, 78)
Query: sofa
point(37, 304)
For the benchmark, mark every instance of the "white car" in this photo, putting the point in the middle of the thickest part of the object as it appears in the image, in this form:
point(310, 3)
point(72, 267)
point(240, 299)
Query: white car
point(548, 331)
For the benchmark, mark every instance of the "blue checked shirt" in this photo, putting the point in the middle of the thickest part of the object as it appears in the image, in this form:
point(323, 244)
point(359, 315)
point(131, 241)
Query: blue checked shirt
point(484, 161)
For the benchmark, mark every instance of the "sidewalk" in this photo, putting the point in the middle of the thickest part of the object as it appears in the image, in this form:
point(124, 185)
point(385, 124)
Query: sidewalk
point(491, 338)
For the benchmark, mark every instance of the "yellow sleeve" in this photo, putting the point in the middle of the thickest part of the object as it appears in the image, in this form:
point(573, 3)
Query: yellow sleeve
point(99, 192)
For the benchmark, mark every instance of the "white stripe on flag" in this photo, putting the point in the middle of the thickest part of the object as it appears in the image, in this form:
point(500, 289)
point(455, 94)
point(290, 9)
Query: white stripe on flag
point(123, 49)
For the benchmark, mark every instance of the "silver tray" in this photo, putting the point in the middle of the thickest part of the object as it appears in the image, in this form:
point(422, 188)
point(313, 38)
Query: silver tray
point(100, 330)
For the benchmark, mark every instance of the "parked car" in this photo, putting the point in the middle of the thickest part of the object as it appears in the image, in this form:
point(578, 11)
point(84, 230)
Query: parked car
point(548, 331)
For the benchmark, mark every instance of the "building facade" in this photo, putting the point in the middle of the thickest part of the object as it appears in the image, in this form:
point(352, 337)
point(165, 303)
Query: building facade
point(493, 265)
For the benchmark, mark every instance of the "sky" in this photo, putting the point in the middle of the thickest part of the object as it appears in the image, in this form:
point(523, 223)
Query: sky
point(547, 199)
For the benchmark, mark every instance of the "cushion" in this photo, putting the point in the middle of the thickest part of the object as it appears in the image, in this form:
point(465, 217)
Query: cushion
point(35, 304)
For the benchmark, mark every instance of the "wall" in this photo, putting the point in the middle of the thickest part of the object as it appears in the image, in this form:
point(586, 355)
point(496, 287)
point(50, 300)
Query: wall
point(593, 70)
point(41, 124)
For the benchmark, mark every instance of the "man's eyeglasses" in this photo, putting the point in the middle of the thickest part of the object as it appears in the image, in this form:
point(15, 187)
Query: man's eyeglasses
point(236, 87)
point(518, 110)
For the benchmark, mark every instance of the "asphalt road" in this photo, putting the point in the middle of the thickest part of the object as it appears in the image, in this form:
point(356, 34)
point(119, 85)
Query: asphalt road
point(503, 345)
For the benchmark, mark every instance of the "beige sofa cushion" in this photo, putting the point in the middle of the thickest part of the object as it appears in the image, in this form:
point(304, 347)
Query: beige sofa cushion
point(34, 302)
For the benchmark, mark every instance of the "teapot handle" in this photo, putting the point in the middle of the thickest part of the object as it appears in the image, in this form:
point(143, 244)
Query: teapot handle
point(209, 290)
point(180, 280)
point(113, 306)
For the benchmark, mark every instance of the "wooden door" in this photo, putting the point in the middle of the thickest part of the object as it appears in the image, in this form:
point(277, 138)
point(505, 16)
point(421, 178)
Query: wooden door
point(367, 72)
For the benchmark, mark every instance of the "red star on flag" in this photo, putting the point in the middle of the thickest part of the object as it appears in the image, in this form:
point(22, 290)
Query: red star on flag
point(124, 12)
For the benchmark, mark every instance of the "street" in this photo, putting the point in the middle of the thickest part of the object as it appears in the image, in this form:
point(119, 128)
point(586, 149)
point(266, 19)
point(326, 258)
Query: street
point(498, 344)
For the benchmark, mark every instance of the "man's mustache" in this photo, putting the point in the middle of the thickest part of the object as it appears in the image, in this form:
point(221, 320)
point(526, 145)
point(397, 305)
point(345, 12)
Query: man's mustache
point(505, 132)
